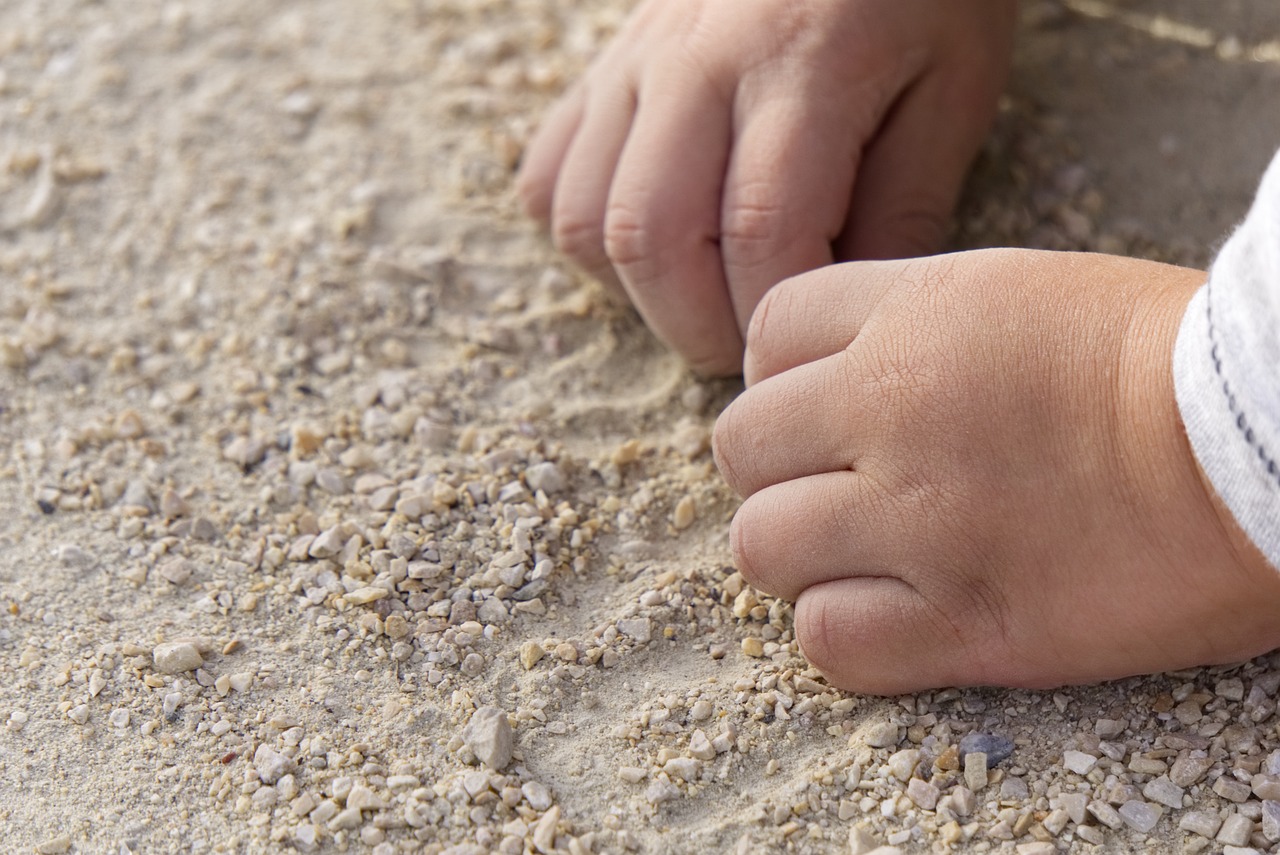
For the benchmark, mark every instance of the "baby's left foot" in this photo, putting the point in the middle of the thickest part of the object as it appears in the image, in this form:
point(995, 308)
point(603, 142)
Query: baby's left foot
point(971, 470)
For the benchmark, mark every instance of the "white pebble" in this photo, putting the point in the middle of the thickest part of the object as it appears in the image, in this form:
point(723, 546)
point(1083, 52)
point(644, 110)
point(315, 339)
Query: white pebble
point(488, 735)
point(176, 657)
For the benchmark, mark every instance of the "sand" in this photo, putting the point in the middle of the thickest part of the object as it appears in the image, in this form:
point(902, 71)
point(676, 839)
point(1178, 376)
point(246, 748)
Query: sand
point(311, 447)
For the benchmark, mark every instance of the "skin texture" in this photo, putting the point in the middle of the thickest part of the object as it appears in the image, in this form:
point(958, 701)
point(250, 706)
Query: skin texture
point(970, 470)
point(717, 147)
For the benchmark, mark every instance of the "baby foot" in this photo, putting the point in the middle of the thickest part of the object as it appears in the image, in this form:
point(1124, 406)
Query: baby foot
point(971, 470)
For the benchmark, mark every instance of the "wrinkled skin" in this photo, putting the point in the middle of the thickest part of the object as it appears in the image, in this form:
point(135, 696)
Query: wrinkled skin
point(717, 147)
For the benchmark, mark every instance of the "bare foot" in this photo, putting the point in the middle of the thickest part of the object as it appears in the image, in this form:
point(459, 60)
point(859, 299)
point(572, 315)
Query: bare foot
point(970, 470)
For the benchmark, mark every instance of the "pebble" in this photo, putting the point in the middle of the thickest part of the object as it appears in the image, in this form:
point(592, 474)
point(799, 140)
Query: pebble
point(924, 794)
point(17, 720)
point(638, 629)
point(55, 845)
point(881, 734)
point(1078, 762)
point(997, 748)
point(753, 647)
point(176, 657)
point(1139, 815)
point(902, 764)
point(363, 798)
point(79, 713)
point(1188, 770)
point(546, 477)
point(1106, 814)
point(1108, 728)
point(531, 652)
point(346, 819)
point(1271, 820)
point(1164, 791)
point(364, 596)
point(700, 746)
point(632, 774)
point(328, 544)
point(488, 735)
point(1235, 830)
point(119, 718)
point(271, 765)
point(1231, 789)
point(537, 794)
point(544, 833)
point(975, 771)
point(685, 514)
point(684, 768)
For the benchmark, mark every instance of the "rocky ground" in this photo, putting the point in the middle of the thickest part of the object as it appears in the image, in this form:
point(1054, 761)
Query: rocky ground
point(341, 516)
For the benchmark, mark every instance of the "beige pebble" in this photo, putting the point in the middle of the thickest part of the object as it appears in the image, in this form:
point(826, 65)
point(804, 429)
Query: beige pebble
point(530, 653)
point(685, 513)
point(544, 833)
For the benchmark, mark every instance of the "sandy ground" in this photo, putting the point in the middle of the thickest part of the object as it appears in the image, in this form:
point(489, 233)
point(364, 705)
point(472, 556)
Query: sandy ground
point(310, 447)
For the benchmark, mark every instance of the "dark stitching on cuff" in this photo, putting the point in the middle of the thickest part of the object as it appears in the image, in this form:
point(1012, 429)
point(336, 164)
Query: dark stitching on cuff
point(1242, 422)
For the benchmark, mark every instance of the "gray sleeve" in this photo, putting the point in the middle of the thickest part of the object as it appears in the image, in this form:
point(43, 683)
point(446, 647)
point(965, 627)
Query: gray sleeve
point(1226, 368)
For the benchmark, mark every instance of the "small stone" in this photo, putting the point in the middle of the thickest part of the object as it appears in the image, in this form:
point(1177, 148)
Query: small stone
point(544, 833)
point(862, 841)
point(271, 765)
point(175, 572)
point(55, 845)
point(1271, 820)
point(472, 665)
point(79, 714)
point(530, 654)
point(1139, 815)
point(537, 795)
point(638, 629)
point(684, 514)
point(632, 774)
point(1106, 814)
point(1036, 847)
point(1266, 787)
point(1078, 762)
point(328, 544)
point(176, 657)
point(364, 596)
point(1231, 789)
point(346, 819)
point(119, 718)
point(1108, 728)
point(96, 684)
point(1231, 688)
point(997, 748)
point(753, 647)
point(1013, 789)
point(700, 746)
point(923, 794)
point(963, 801)
point(1075, 804)
point(1056, 821)
point(684, 768)
point(363, 798)
point(882, 734)
point(1235, 830)
point(545, 477)
point(975, 771)
point(488, 735)
point(1164, 791)
point(902, 764)
point(1188, 770)
point(1240, 850)
point(701, 710)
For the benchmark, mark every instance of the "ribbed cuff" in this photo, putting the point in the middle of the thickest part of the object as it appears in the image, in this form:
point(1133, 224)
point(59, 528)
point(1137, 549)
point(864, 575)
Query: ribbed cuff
point(1235, 460)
